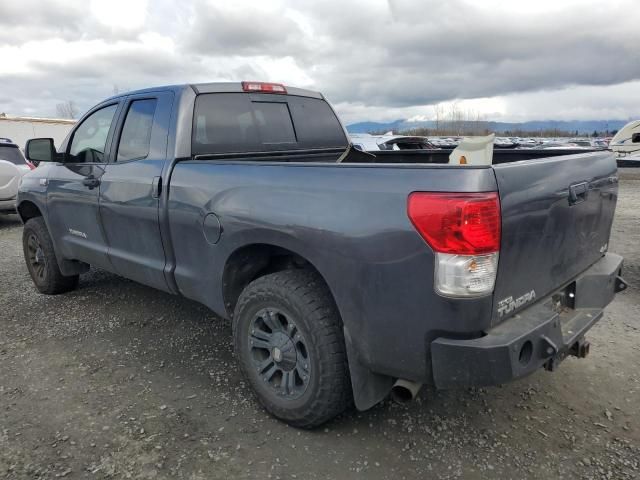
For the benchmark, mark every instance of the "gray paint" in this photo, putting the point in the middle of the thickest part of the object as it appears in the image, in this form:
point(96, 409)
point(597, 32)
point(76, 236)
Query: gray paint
point(550, 332)
point(348, 220)
point(547, 241)
point(128, 208)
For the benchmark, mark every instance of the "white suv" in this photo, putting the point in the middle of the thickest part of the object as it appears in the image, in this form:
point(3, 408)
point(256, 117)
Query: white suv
point(13, 166)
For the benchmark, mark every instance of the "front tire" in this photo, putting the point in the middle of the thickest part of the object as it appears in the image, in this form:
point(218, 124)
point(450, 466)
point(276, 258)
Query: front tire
point(290, 345)
point(41, 259)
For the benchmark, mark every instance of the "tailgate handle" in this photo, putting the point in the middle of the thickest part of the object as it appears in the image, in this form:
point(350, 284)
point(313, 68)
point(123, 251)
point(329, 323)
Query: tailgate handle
point(578, 192)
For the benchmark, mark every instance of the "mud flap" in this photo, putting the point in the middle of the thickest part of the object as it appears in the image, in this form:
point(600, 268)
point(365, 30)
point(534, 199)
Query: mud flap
point(369, 388)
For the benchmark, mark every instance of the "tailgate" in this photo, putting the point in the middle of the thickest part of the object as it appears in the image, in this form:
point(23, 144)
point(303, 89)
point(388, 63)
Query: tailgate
point(556, 220)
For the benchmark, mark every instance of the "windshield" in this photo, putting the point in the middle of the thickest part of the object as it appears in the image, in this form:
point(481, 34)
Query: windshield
point(12, 154)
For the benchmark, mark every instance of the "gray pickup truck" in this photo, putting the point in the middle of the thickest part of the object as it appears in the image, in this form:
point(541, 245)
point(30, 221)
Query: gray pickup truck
point(347, 276)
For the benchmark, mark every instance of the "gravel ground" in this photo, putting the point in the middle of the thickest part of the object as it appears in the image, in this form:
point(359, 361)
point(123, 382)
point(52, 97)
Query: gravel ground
point(116, 380)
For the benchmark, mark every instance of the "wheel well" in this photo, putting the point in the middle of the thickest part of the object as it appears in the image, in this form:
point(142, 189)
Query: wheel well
point(254, 261)
point(28, 210)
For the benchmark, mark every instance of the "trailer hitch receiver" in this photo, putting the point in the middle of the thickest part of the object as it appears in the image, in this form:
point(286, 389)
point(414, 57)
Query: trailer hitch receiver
point(580, 349)
point(621, 284)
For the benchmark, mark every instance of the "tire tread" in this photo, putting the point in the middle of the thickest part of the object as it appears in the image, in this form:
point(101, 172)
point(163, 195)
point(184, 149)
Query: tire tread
point(334, 394)
point(55, 282)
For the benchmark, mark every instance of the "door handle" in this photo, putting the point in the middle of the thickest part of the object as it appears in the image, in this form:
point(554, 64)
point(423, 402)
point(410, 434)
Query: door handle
point(156, 187)
point(91, 182)
point(578, 193)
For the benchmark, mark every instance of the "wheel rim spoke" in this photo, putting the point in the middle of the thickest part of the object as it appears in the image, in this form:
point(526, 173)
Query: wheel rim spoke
point(288, 383)
point(291, 329)
point(270, 372)
point(261, 335)
point(291, 381)
point(32, 244)
point(259, 343)
point(36, 258)
point(284, 381)
point(302, 372)
point(272, 321)
point(263, 366)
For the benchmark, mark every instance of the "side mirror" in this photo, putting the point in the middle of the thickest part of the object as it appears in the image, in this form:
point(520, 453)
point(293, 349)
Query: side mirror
point(635, 138)
point(40, 150)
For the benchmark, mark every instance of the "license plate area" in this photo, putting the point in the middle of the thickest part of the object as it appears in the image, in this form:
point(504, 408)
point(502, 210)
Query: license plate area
point(565, 299)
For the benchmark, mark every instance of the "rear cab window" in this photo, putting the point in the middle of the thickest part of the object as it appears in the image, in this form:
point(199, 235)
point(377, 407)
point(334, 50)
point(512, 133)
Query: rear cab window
point(241, 122)
point(12, 154)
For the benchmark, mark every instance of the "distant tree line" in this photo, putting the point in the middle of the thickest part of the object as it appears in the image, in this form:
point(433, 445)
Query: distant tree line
point(67, 109)
point(452, 121)
point(555, 132)
point(544, 132)
point(472, 128)
point(455, 122)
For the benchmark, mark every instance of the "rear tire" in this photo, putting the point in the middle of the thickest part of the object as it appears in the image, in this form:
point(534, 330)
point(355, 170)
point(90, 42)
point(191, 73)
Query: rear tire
point(290, 345)
point(41, 259)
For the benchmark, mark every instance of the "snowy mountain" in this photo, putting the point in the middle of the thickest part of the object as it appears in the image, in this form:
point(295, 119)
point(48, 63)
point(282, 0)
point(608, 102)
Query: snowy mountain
point(581, 126)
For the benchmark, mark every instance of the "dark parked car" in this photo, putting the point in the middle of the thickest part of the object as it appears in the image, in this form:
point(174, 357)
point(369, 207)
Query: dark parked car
point(346, 275)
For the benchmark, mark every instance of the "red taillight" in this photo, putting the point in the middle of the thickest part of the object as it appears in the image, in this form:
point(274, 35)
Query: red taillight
point(263, 87)
point(459, 223)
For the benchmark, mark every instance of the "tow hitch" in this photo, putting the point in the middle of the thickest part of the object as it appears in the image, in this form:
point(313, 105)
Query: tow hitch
point(621, 284)
point(580, 349)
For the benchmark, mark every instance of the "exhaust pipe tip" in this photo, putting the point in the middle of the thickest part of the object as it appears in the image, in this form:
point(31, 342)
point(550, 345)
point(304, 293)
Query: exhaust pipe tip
point(405, 391)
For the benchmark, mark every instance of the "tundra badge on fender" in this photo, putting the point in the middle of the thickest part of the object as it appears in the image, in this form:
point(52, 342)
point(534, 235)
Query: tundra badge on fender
point(77, 233)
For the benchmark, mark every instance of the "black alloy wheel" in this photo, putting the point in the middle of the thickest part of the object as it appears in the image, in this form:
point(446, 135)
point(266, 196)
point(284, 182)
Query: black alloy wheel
point(279, 353)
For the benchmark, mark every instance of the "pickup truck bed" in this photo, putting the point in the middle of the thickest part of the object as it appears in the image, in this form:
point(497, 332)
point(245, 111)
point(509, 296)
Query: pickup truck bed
point(441, 156)
point(333, 267)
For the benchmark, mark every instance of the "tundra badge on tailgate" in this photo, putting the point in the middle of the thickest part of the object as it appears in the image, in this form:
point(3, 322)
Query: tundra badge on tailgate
point(508, 304)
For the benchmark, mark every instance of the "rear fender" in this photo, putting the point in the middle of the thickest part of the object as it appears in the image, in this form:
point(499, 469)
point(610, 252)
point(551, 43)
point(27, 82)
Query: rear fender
point(368, 388)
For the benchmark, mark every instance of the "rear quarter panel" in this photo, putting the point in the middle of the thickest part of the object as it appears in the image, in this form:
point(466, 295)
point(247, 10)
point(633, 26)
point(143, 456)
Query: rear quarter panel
point(350, 222)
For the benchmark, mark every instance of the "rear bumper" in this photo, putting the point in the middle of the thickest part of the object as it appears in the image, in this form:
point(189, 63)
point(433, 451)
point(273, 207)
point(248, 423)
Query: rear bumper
point(628, 162)
point(543, 334)
point(8, 206)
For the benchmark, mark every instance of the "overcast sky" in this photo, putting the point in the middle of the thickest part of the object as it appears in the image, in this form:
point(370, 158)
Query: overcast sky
point(374, 59)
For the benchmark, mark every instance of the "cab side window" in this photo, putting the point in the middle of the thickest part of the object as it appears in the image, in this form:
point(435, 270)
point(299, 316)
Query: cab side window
point(136, 132)
point(90, 138)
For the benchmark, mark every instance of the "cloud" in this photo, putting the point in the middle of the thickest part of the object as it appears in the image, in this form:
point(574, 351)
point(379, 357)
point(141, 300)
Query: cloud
point(610, 102)
point(108, 13)
point(406, 55)
point(70, 20)
point(235, 29)
point(25, 20)
point(375, 59)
